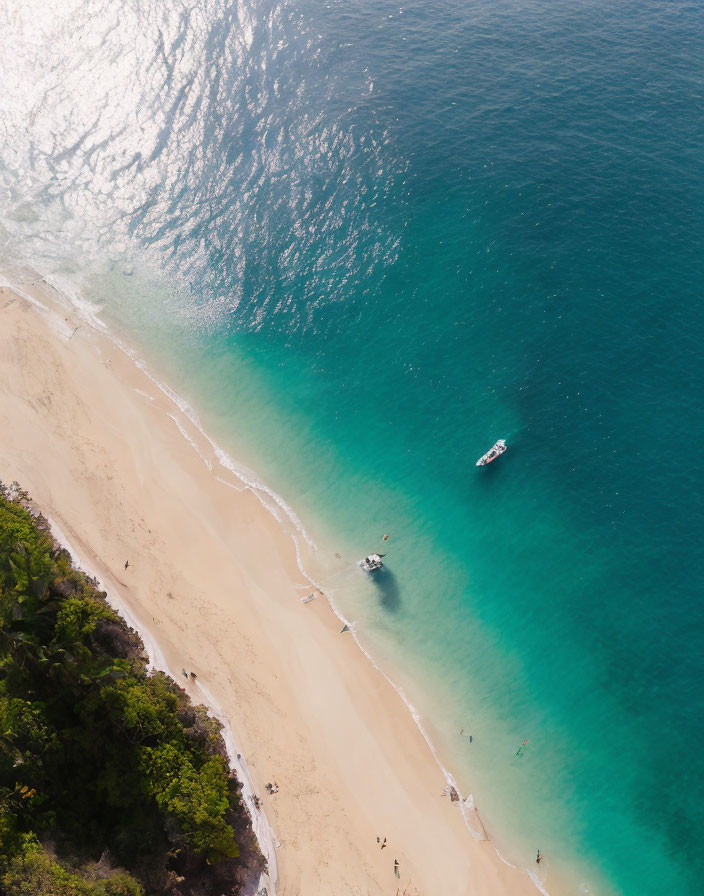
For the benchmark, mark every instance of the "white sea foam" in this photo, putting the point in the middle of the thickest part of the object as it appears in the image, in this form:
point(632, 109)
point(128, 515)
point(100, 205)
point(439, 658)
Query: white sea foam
point(192, 442)
point(57, 323)
point(536, 880)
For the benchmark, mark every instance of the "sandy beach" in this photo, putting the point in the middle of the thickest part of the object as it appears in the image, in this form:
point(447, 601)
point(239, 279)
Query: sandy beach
point(214, 579)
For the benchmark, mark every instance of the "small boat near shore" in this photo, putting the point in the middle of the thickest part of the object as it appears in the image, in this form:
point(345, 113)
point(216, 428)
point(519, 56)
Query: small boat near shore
point(372, 562)
point(492, 453)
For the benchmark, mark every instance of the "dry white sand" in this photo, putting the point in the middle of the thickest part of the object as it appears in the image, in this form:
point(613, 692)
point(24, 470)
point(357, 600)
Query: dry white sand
point(212, 577)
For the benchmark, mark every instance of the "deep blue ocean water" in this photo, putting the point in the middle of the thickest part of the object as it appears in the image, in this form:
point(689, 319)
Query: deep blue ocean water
point(368, 239)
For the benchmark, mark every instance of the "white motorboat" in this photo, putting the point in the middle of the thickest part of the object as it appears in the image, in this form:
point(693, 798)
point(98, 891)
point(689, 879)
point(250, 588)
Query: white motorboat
point(372, 562)
point(492, 453)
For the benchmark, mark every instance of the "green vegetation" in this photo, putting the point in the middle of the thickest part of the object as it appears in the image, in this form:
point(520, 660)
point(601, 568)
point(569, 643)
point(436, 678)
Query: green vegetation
point(111, 782)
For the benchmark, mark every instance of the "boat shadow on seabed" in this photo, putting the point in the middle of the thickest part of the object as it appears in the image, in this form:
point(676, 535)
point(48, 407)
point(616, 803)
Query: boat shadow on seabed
point(386, 585)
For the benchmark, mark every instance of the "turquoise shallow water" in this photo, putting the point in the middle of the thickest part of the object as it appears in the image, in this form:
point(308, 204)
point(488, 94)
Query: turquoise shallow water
point(366, 240)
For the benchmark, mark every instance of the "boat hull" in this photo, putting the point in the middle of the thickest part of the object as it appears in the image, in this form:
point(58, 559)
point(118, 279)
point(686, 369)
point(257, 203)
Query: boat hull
point(371, 563)
point(491, 455)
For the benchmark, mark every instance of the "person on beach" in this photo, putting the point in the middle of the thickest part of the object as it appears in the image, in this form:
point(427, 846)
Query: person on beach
point(127, 563)
point(383, 845)
point(396, 872)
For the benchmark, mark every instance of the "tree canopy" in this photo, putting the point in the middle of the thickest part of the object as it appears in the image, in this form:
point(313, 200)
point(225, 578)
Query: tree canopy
point(111, 782)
